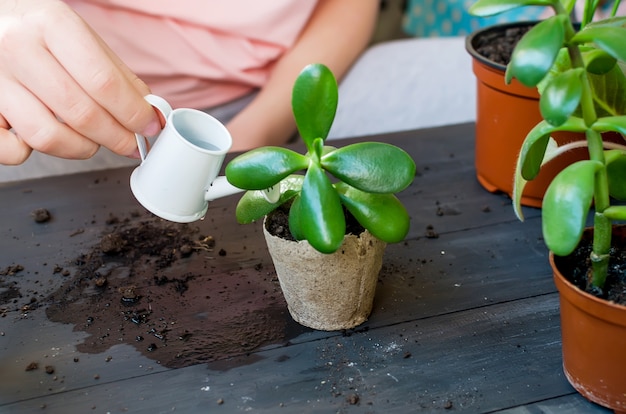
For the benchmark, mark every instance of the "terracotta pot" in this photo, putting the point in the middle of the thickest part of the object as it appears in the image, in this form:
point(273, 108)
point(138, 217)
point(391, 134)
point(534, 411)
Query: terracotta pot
point(594, 344)
point(328, 292)
point(504, 115)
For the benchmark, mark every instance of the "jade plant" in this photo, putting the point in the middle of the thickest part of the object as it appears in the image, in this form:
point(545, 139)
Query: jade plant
point(320, 185)
point(578, 69)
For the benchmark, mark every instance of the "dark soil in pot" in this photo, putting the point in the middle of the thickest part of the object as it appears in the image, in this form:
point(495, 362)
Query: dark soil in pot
point(576, 267)
point(277, 223)
point(498, 46)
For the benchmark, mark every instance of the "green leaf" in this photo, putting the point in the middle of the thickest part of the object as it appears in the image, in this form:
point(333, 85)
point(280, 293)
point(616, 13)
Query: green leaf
point(609, 88)
point(566, 205)
point(615, 213)
point(261, 168)
point(484, 8)
point(383, 215)
point(609, 92)
point(519, 183)
point(598, 62)
point(253, 205)
point(616, 171)
point(314, 102)
point(371, 166)
point(536, 142)
point(608, 38)
point(535, 53)
point(561, 97)
point(617, 21)
point(295, 220)
point(321, 216)
point(610, 123)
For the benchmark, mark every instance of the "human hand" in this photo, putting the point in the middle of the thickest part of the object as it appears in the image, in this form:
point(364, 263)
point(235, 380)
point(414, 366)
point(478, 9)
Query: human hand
point(64, 92)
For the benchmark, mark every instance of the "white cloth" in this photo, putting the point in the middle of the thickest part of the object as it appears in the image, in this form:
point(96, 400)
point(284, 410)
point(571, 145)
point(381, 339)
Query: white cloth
point(407, 84)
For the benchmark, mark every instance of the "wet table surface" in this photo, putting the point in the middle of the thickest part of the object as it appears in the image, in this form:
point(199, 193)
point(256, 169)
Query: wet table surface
point(466, 316)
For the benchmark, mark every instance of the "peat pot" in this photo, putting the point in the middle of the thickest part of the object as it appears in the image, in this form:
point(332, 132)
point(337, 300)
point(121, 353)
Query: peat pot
point(504, 115)
point(593, 342)
point(328, 291)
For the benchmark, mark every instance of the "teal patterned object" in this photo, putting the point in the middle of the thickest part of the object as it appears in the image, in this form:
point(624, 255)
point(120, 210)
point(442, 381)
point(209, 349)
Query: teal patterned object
point(439, 18)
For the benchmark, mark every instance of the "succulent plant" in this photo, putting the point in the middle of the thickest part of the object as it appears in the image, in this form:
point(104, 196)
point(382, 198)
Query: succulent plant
point(579, 71)
point(324, 182)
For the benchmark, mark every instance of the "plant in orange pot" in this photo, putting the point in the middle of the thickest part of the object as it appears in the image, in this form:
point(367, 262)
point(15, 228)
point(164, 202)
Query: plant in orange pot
point(580, 75)
point(506, 111)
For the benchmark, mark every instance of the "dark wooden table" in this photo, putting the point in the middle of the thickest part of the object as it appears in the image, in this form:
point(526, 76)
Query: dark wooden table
point(466, 317)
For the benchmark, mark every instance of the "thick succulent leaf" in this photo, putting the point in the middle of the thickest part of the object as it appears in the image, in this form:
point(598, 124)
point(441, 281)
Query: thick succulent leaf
point(383, 215)
point(615, 213)
point(608, 38)
point(616, 171)
point(609, 91)
point(253, 205)
point(261, 168)
point(610, 123)
point(371, 166)
point(535, 144)
point(561, 97)
point(566, 205)
point(321, 216)
point(617, 21)
point(295, 226)
point(314, 102)
point(536, 51)
point(598, 62)
point(486, 8)
point(519, 182)
point(561, 64)
point(609, 88)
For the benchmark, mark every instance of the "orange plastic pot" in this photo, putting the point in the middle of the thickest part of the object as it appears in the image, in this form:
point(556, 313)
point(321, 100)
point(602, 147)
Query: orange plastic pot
point(504, 115)
point(593, 343)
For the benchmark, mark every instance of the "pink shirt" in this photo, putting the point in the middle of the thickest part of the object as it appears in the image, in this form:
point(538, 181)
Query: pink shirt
point(198, 53)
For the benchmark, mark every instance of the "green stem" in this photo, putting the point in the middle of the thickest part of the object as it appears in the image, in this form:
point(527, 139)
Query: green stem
point(601, 224)
point(601, 248)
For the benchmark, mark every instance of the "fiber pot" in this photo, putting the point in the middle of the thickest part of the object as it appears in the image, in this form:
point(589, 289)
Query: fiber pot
point(504, 115)
point(328, 292)
point(593, 342)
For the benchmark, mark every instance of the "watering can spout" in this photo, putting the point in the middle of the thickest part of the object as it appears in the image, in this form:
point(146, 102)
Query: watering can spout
point(220, 187)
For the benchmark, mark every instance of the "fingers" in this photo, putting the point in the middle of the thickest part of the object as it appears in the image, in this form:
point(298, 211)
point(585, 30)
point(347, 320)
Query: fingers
point(105, 79)
point(64, 91)
point(34, 97)
point(13, 151)
point(46, 135)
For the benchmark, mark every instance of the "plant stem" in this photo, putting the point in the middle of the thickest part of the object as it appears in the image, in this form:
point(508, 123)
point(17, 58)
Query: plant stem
point(601, 224)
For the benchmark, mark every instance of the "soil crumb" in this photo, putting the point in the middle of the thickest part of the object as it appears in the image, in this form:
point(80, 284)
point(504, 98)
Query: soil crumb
point(41, 215)
point(165, 289)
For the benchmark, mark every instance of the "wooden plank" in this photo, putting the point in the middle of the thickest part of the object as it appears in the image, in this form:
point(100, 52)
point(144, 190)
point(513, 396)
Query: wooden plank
point(572, 403)
point(462, 270)
point(456, 303)
point(421, 278)
point(509, 356)
point(445, 193)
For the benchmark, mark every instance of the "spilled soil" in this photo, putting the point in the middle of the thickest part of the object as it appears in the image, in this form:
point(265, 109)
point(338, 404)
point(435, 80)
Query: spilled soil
point(169, 291)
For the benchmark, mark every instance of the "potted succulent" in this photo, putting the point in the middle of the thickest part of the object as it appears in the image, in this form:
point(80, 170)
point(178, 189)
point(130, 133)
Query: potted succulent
point(506, 111)
point(328, 277)
point(579, 72)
